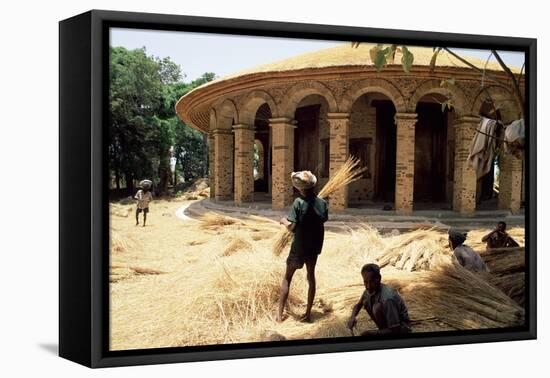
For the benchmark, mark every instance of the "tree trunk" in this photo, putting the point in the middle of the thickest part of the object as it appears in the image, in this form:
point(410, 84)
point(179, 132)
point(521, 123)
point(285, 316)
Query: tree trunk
point(129, 183)
point(176, 174)
point(117, 180)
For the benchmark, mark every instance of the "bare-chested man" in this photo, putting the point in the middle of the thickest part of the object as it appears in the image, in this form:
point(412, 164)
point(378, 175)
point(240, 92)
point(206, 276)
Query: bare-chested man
point(499, 238)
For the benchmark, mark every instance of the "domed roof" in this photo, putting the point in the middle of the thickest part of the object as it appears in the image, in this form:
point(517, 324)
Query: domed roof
point(346, 55)
point(191, 107)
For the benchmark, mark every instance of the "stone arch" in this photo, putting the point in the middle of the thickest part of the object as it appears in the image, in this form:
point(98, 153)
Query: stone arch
point(434, 86)
point(502, 96)
point(251, 104)
point(226, 114)
point(361, 87)
point(299, 91)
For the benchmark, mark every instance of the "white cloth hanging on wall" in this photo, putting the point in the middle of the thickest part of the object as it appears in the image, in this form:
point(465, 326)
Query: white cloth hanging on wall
point(482, 148)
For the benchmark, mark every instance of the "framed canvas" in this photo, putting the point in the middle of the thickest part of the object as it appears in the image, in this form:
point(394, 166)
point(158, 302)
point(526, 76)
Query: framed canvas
point(235, 188)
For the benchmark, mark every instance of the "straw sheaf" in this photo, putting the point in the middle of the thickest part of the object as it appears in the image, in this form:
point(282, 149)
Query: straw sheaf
point(349, 172)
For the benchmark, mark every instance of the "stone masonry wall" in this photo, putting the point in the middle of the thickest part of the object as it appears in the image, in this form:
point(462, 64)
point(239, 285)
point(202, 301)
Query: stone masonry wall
point(283, 162)
point(363, 125)
point(510, 182)
point(244, 163)
point(404, 172)
point(339, 152)
point(223, 164)
point(465, 180)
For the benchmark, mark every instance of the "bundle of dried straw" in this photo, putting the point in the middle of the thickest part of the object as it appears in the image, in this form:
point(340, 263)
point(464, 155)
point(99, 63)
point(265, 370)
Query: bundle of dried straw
point(349, 172)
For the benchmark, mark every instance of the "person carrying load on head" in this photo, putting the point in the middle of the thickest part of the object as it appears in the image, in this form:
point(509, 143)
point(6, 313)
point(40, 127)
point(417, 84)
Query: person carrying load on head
point(143, 198)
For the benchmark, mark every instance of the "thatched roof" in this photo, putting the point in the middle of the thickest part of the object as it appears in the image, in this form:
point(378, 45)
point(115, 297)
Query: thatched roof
point(193, 107)
point(345, 55)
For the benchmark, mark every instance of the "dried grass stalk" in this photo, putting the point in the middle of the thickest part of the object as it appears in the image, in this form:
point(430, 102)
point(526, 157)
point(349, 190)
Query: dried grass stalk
point(349, 172)
point(120, 243)
point(507, 267)
point(212, 219)
point(416, 250)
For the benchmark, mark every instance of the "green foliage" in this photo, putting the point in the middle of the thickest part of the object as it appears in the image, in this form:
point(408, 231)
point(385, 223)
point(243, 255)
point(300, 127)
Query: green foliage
point(381, 56)
point(256, 160)
point(143, 124)
point(407, 59)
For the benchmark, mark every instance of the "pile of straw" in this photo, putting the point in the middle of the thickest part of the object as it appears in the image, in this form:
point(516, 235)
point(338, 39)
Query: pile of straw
point(120, 210)
point(349, 172)
point(462, 299)
point(507, 267)
point(416, 250)
point(118, 273)
point(120, 243)
point(210, 296)
point(243, 290)
point(213, 220)
point(235, 245)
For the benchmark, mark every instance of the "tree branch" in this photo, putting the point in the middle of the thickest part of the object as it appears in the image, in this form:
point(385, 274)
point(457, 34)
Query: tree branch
point(511, 75)
point(475, 67)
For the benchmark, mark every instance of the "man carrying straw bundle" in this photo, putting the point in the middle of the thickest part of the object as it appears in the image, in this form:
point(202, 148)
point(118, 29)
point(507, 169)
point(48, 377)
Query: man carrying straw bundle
point(306, 219)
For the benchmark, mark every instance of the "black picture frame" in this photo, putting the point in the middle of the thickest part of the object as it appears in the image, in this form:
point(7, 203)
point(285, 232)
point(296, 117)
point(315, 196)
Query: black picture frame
point(83, 227)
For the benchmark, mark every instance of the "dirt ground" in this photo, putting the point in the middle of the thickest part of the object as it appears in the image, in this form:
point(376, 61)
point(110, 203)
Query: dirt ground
point(187, 282)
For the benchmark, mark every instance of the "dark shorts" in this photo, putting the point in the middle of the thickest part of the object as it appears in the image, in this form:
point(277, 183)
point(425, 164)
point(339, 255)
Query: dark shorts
point(145, 211)
point(298, 261)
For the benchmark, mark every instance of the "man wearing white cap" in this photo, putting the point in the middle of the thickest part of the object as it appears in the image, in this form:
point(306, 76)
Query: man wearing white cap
point(143, 197)
point(306, 219)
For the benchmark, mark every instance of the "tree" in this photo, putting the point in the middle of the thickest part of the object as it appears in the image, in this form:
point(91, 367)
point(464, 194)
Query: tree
point(189, 145)
point(143, 124)
point(133, 96)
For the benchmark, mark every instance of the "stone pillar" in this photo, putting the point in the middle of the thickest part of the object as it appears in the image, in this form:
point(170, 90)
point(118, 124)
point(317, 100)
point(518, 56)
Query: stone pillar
point(339, 129)
point(465, 178)
point(211, 165)
point(404, 162)
point(282, 160)
point(223, 163)
point(509, 197)
point(244, 163)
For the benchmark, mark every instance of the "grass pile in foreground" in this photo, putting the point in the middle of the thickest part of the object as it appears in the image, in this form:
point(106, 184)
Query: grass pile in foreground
point(221, 284)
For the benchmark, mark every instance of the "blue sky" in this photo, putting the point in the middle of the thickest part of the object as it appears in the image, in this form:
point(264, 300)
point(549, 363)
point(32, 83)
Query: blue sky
point(197, 53)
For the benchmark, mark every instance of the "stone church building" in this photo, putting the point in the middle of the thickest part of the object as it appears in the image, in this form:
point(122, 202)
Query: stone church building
point(310, 112)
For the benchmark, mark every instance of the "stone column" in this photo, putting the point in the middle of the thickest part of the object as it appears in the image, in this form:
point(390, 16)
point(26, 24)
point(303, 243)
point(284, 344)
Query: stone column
point(465, 178)
point(339, 129)
point(404, 162)
point(282, 160)
point(244, 163)
point(223, 163)
point(510, 178)
point(211, 165)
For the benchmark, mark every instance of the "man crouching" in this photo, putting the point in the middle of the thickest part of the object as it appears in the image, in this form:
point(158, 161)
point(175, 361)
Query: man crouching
point(383, 304)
